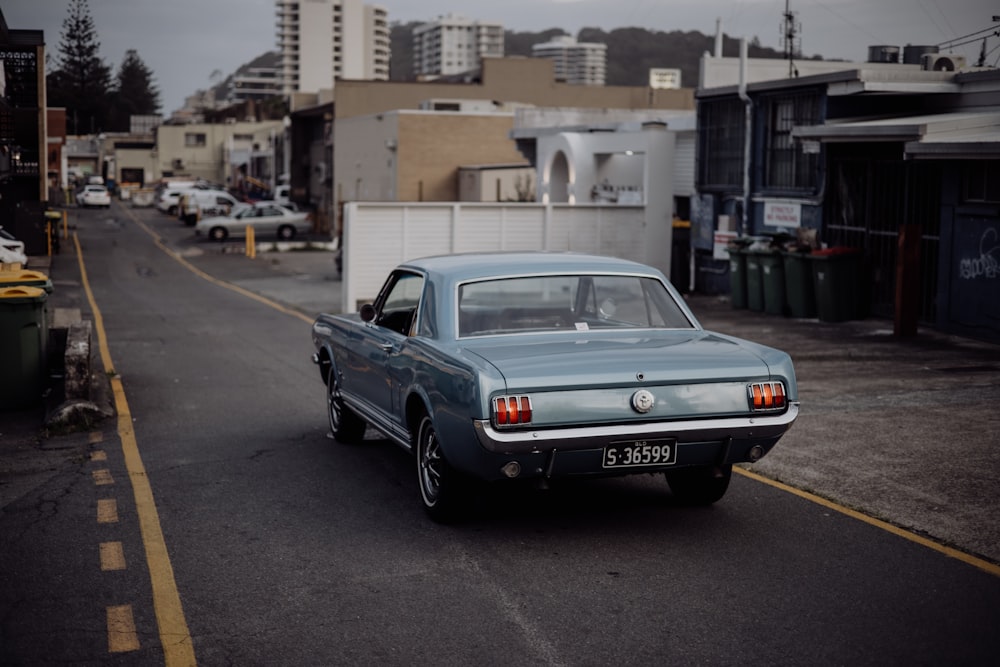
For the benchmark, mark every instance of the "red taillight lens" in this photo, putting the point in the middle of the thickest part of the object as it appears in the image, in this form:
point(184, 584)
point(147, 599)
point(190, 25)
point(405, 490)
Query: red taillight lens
point(511, 410)
point(766, 396)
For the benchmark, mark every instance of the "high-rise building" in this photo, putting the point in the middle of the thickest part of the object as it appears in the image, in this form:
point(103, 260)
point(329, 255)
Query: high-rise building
point(575, 62)
point(324, 40)
point(453, 45)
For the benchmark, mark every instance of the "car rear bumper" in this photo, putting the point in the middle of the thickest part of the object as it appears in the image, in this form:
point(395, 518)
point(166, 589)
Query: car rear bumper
point(762, 430)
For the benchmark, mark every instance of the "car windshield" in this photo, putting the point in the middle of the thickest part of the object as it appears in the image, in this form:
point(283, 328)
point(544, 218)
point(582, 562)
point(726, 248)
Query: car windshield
point(566, 302)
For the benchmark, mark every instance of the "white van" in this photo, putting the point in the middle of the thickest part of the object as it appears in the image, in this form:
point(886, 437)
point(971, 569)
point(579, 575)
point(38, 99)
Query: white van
point(168, 197)
point(196, 204)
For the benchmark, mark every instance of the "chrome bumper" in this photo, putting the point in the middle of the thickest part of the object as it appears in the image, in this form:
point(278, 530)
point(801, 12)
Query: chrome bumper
point(761, 429)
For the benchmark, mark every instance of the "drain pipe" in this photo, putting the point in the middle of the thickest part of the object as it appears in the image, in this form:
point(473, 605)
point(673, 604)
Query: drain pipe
point(747, 133)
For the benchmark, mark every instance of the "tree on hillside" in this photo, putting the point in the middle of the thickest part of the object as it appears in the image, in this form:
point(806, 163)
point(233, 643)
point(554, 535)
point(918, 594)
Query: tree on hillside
point(81, 80)
point(134, 93)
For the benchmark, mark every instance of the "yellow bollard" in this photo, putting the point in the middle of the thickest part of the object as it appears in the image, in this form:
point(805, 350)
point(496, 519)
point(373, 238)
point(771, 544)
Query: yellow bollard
point(251, 243)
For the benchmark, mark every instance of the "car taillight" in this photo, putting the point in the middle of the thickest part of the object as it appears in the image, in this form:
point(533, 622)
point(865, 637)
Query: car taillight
point(766, 396)
point(511, 410)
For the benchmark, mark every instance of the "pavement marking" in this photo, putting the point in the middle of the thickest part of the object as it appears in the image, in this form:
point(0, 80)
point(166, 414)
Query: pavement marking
point(175, 638)
point(95, 437)
point(102, 477)
point(969, 559)
point(112, 556)
point(212, 279)
point(122, 636)
point(99, 455)
point(107, 510)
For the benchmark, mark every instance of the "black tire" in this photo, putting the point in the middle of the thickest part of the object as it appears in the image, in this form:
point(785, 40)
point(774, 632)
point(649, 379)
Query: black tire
point(172, 211)
point(346, 426)
point(699, 486)
point(286, 232)
point(442, 489)
point(218, 234)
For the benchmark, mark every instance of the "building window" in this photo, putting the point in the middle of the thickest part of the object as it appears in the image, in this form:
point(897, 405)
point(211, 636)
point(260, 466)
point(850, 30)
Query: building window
point(981, 182)
point(194, 139)
point(787, 166)
point(721, 126)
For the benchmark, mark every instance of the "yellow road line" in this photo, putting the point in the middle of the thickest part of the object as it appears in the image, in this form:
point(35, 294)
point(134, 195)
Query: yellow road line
point(122, 636)
point(174, 635)
point(107, 510)
point(112, 556)
point(102, 477)
point(215, 281)
point(969, 559)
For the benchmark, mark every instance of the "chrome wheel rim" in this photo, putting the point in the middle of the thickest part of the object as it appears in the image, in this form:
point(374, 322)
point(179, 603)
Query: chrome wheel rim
point(430, 462)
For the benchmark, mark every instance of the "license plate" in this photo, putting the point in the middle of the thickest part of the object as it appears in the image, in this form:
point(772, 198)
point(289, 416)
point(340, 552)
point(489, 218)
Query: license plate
point(640, 453)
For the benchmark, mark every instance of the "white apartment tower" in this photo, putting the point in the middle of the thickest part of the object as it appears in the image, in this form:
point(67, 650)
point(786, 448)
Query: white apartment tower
point(454, 44)
point(324, 40)
point(575, 62)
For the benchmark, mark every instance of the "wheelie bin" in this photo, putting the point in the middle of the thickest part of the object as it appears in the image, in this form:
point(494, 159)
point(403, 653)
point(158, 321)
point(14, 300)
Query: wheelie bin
point(799, 290)
point(755, 281)
point(772, 270)
point(737, 276)
point(837, 276)
point(24, 339)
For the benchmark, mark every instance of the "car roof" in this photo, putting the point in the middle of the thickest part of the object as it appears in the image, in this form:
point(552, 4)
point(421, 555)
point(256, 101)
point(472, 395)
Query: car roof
point(471, 266)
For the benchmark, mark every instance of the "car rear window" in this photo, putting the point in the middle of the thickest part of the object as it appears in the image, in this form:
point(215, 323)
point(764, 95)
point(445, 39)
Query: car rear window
point(566, 302)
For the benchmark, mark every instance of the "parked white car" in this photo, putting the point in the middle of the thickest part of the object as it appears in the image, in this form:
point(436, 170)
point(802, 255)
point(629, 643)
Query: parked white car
point(93, 195)
point(11, 250)
point(196, 204)
point(265, 219)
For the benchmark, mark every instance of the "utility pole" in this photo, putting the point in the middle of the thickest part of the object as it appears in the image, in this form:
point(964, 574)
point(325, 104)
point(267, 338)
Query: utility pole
point(790, 29)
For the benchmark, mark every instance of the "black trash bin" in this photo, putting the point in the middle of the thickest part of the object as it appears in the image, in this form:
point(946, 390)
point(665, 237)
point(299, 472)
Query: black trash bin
point(772, 270)
point(755, 281)
point(24, 339)
point(737, 276)
point(799, 290)
point(837, 277)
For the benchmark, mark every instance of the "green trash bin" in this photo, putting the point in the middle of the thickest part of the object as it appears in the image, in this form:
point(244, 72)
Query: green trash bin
point(24, 339)
point(25, 278)
point(837, 277)
point(772, 269)
point(755, 281)
point(737, 276)
point(799, 290)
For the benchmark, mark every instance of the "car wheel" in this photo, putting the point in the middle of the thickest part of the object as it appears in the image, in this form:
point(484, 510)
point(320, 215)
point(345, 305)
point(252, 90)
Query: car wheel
point(218, 234)
point(172, 210)
point(442, 488)
point(345, 425)
point(286, 232)
point(702, 485)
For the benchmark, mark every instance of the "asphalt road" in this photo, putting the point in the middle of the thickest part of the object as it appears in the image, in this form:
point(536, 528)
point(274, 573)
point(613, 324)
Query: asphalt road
point(288, 548)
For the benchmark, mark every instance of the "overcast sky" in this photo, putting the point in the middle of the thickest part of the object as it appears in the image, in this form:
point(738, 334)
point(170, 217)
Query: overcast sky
point(185, 41)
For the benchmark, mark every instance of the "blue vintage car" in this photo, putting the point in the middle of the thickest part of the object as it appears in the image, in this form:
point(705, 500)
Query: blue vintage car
point(535, 366)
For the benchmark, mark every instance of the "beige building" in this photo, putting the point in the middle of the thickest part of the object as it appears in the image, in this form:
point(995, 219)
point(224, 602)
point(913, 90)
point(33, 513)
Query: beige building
point(412, 155)
point(217, 152)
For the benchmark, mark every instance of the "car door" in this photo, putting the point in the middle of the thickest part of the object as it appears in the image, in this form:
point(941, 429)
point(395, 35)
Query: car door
point(269, 218)
point(380, 360)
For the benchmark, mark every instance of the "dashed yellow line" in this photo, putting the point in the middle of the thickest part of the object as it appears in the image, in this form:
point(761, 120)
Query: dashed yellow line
point(107, 510)
point(122, 636)
point(99, 455)
point(175, 638)
point(112, 556)
point(969, 559)
point(102, 477)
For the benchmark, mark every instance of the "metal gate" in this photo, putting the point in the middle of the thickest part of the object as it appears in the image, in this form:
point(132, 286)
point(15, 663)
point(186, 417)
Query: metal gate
point(867, 201)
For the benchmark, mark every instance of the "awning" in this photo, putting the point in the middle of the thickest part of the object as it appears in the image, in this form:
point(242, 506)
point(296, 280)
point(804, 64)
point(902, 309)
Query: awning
point(959, 135)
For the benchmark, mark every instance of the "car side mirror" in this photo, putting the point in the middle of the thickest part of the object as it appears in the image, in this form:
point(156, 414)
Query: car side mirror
point(367, 312)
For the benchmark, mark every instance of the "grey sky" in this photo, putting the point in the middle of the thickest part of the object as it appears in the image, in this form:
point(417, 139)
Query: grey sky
point(184, 41)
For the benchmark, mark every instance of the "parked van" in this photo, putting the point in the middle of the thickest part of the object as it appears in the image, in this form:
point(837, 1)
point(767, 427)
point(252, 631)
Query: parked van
point(282, 194)
point(195, 204)
point(167, 198)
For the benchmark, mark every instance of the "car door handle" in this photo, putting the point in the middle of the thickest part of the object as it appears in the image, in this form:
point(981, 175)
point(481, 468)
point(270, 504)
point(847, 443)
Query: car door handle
point(386, 347)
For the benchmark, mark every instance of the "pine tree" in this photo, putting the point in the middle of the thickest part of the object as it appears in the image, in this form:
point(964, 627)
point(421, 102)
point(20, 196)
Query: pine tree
point(81, 80)
point(135, 93)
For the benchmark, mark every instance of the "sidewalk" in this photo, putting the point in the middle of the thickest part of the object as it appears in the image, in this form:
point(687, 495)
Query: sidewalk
point(901, 429)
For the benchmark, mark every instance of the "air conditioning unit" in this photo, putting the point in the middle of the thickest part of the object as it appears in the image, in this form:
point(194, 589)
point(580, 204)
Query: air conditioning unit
point(178, 163)
point(943, 62)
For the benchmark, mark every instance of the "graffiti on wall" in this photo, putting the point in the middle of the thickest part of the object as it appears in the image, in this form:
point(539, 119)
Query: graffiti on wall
point(987, 264)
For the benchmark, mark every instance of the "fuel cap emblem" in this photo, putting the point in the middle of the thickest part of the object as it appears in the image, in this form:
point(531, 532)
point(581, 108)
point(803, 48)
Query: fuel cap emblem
point(642, 401)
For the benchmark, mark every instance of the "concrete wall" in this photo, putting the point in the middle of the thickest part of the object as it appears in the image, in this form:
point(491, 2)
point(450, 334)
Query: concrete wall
point(377, 237)
point(207, 161)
